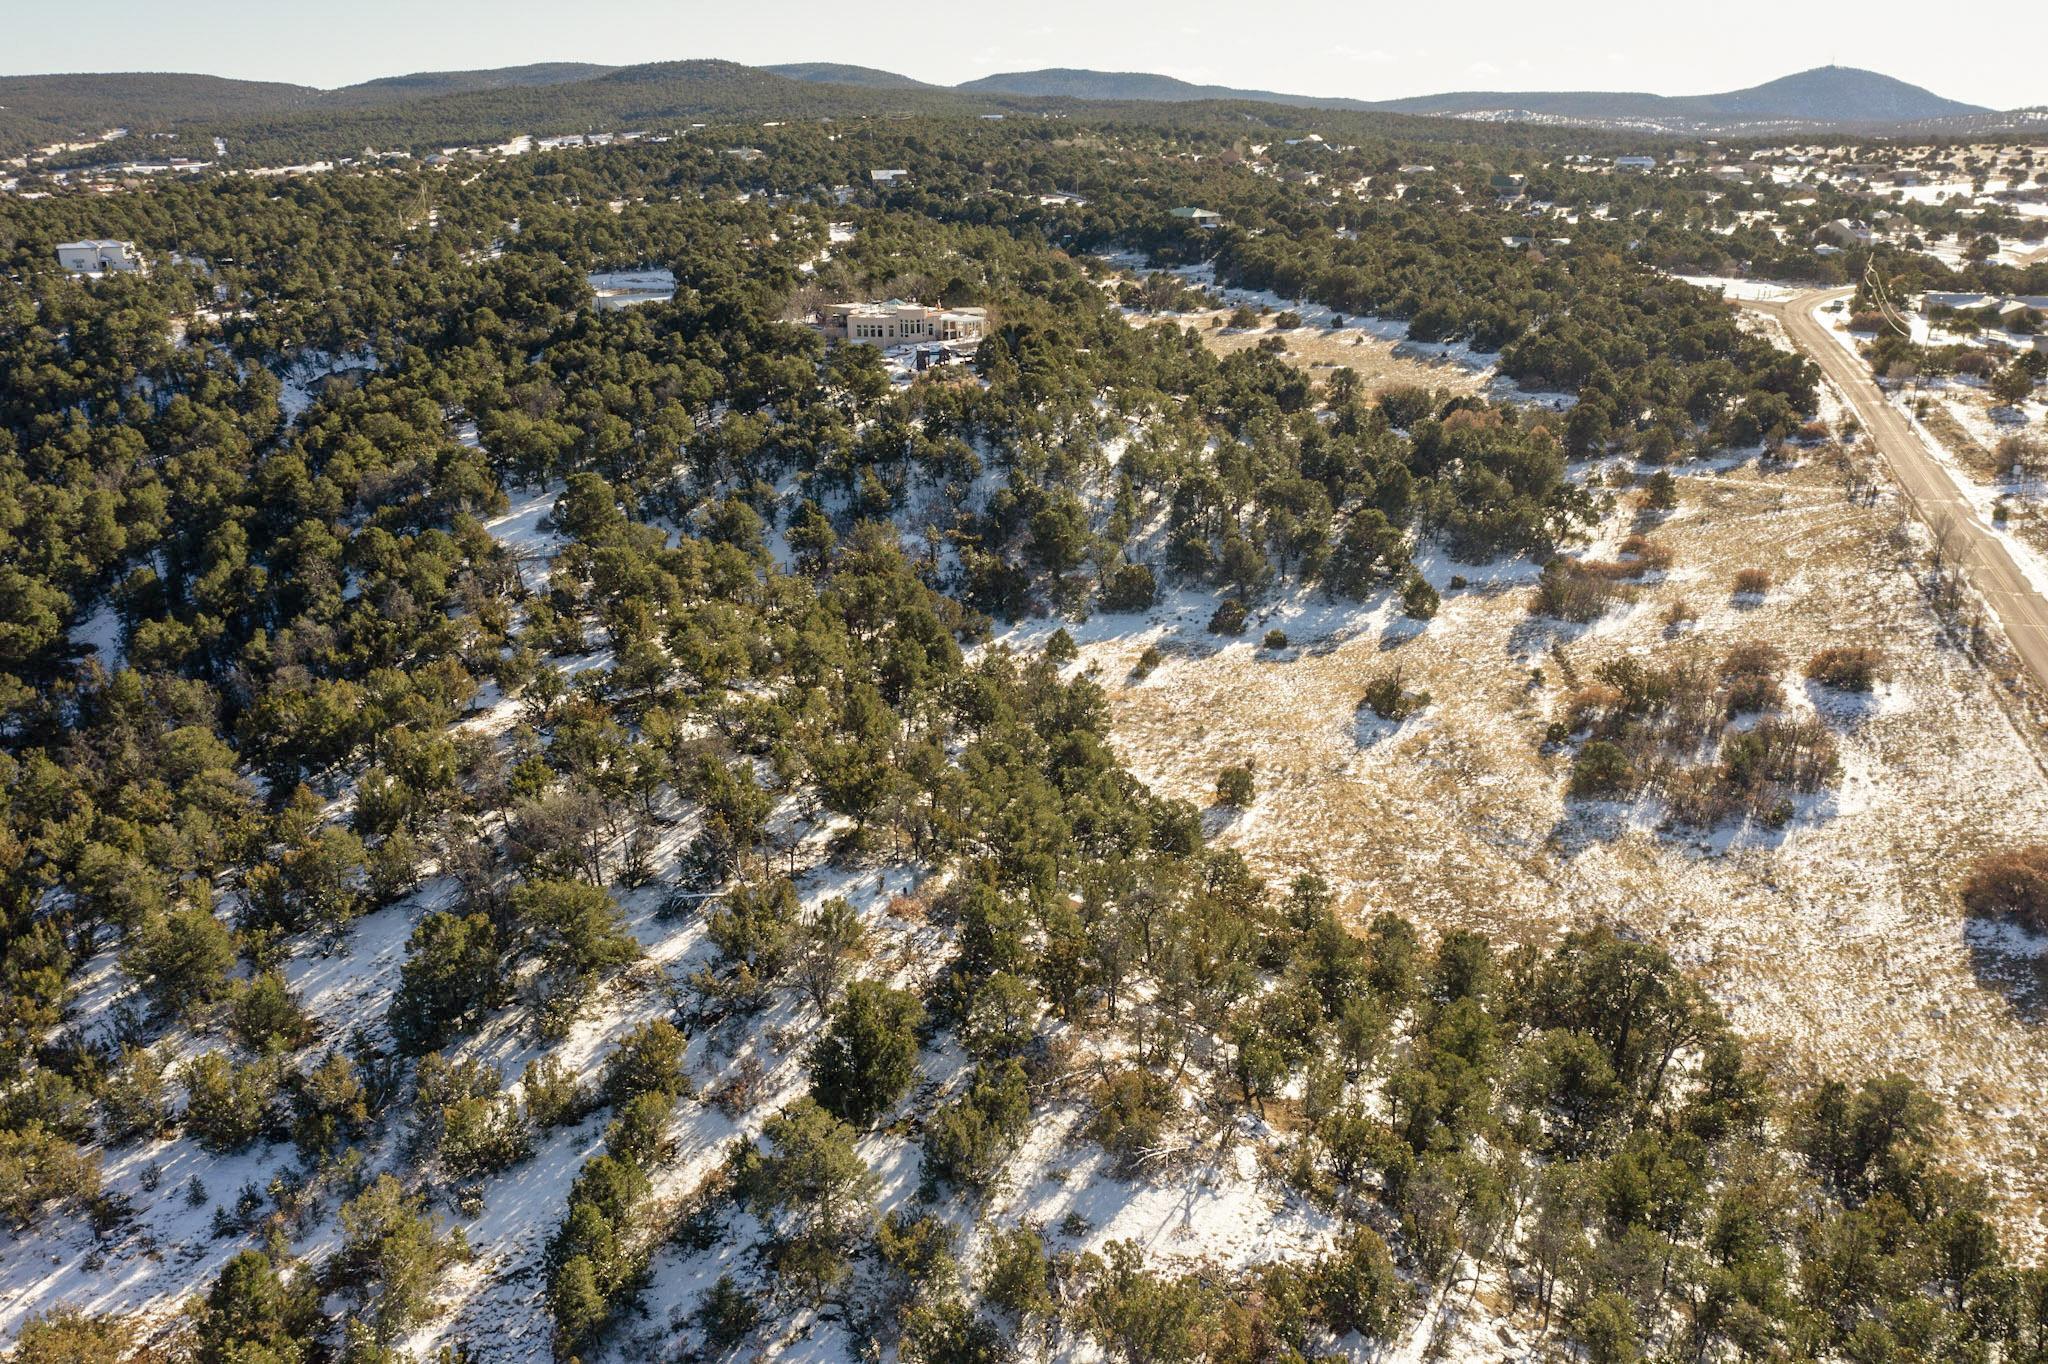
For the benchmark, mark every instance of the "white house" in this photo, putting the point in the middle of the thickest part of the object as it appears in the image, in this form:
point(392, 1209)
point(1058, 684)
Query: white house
point(896, 323)
point(1635, 163)
point(98, 257)
point(1846, 232)
point(1200, 217)
point(1962, 303)
point(888, 178)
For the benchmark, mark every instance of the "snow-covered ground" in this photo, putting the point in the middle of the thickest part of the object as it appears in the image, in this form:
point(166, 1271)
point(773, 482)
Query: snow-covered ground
point(630, 288)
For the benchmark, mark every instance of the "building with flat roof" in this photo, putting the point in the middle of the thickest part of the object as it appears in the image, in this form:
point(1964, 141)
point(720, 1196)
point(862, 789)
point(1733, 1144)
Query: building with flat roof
point(896, 323)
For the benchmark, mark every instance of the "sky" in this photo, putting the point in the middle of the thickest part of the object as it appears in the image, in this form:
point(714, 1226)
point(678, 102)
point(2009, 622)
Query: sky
point(1366, 49)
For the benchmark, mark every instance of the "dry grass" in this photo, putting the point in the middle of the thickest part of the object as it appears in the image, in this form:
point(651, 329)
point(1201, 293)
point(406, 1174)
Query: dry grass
point(1379, 364)
point(1840, 939)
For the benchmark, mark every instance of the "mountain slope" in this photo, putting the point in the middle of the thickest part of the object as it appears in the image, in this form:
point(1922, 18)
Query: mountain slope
point(1827, 94)
point(840, 73)
point(93, 101)
point(1076, 83)
point(659, 94)
point(426, 84)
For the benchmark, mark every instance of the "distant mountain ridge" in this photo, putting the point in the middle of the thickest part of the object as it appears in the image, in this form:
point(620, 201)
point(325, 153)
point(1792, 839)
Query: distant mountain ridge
point(839, 73)
point(424, 84)
point(271, 119)
point(1824, 95)
point(1074, 83)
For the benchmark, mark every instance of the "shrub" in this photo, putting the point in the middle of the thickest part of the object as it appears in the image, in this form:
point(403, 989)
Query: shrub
point(1127, 588)
point(1061, 649)
point(2014, 883)
point(552, 1093)
point(967, 1140)
point(1235, 787)
point(1602, 769)
point(1132, 1106)
point(1751, 582)
point(67, 1335)
point(1229, 618)
point(647, 1060)
point(1419, 600)
point(1387, 698)
point(1571, 592)
point(227, 1106)
point(1358, 1288)
point(1016, 1277)
point(1846, 667)
point(1148, 662)
point(38, 1168)
point(267, 1016)
point(867, 1058)
point(727, 1314)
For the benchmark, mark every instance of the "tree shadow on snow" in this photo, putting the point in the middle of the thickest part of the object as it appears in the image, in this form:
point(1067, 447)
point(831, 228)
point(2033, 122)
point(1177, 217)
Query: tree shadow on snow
point(2007, 958)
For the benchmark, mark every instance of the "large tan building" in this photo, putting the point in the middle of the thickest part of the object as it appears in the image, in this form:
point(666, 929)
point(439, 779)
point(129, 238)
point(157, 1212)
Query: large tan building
point(897, 323)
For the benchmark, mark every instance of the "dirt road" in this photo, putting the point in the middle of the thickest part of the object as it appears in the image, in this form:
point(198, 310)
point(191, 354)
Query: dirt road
point(1992, 570)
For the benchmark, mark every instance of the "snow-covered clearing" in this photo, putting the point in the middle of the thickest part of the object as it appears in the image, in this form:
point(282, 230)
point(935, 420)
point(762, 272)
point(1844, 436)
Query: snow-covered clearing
point(629, 288)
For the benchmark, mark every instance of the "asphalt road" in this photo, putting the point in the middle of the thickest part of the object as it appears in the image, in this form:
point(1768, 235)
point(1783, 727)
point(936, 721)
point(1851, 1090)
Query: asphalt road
point(1991, 569)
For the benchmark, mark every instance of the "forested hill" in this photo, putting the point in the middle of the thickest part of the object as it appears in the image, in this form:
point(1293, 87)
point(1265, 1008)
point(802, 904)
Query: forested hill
point(269, 123)
point(659, 94)
point(1823, 96)
point(429, 108)
point(1067, 83)
point(839, 73)
point(36, 110)
point(426, 84)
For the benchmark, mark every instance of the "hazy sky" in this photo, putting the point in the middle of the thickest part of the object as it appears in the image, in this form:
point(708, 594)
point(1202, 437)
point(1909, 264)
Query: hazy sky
point(1992, 55)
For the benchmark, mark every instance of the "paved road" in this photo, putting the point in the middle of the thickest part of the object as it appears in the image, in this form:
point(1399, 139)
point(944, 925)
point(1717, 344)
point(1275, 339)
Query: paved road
point(2019, 606)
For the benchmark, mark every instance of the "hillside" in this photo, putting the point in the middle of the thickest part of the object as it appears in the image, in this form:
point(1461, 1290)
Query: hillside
point(426, 84)
point(661, 94)
point(266, 122)
point(1070, 83)
point(39, 109)
point(1824, 95)
point(839, 73)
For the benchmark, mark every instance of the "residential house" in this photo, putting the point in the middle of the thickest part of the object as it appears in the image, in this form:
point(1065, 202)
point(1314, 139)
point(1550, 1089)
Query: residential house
point(1200, 217)
point(1846, 232)
point(896, 323)
point(99, 257)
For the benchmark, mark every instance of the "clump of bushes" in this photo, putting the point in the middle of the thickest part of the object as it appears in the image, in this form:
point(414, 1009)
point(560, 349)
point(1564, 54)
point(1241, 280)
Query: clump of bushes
point(1387, 698)
point(1751, 582)
point(1132, 1108)
point(1568, 592)
point(1419, 600)
point(1276, 639)
point(1749, 680)
point(1846, 667)
point(1148, 662)
point(1229, 618)
point(1234, 787)
point(1646, 728)
point(2013, 883)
